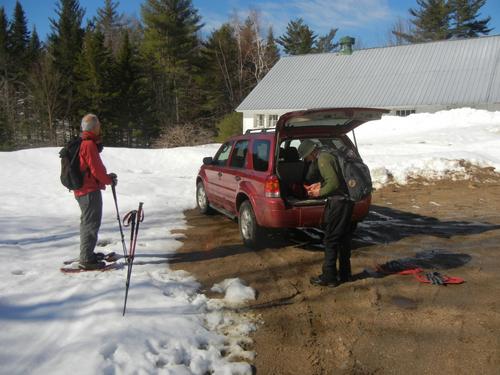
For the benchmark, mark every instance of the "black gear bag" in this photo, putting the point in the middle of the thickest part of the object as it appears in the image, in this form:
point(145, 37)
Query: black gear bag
point(71, 176)
point(355, 172)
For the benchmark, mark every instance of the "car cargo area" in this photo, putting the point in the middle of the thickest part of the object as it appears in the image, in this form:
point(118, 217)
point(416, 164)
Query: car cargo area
point(293, 172)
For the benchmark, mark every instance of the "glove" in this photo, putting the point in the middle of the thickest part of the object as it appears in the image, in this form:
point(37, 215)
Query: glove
point(114, 179)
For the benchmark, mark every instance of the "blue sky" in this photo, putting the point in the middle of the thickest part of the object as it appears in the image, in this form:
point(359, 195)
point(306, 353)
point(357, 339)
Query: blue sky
point(367, 20)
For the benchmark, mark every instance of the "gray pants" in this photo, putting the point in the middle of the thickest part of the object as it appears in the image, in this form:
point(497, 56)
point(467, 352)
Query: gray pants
point(90, 222)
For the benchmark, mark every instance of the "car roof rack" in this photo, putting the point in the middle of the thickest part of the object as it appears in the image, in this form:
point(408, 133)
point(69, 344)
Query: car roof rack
point(261, 130)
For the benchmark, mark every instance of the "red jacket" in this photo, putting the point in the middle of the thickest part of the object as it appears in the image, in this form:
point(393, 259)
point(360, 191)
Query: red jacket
point(94, 172)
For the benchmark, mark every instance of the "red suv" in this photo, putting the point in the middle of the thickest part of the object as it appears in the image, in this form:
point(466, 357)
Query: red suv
point(258, 177)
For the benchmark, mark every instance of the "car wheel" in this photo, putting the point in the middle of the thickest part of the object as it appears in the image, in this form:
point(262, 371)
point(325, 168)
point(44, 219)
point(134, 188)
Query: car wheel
point(201, 199)
point(251, 233)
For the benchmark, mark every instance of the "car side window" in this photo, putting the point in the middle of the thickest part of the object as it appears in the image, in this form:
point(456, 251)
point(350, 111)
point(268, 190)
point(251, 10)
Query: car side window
point(239, 154)
point(222, 155)
point(260, 153)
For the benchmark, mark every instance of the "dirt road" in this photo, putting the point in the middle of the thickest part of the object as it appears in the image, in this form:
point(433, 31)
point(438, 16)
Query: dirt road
point(386, 325)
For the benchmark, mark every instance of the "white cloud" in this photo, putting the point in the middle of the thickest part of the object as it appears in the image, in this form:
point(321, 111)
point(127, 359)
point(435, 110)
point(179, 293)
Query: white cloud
point(325, 14)
point(319, 15)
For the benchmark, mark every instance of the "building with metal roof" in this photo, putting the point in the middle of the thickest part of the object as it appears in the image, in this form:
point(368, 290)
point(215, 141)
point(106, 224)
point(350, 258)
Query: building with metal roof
point(406, 79)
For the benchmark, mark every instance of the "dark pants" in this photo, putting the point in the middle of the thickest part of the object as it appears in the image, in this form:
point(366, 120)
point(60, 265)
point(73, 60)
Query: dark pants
point(90, 222)
point(337, 241)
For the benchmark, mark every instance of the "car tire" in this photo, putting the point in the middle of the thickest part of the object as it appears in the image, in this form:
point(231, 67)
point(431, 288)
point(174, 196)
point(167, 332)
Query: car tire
point(202, 199)
point(251, 233)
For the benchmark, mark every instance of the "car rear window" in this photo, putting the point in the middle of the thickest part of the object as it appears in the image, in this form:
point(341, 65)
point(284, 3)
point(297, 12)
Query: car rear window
point(260, 152)
point(239, 154)
point(321, 142)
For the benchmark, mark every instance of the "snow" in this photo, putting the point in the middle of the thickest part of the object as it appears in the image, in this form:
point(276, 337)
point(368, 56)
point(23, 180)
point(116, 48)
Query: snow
point(432, 146)
point(236, 292)
point(55, 323)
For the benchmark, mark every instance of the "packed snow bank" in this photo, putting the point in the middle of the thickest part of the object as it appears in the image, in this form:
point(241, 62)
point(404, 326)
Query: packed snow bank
point(235, 291)
point(56, 324)
point(432, 146)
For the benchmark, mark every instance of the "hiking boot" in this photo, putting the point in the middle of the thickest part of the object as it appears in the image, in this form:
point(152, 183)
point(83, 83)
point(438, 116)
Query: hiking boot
point(320, 281)
point(92, 266)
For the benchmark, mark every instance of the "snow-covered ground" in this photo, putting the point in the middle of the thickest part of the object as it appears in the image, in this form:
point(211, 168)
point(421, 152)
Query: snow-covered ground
point(430, 145)
point(51, 323)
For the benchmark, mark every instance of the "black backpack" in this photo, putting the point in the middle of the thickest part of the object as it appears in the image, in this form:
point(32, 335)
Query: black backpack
point(71, 176)
point(356, 174)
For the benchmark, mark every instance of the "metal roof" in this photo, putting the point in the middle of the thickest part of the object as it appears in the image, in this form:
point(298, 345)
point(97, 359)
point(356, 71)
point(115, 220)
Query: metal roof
point(451, 72)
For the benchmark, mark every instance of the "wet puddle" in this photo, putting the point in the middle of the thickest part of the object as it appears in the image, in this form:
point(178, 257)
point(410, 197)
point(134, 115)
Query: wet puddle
point(404, 303)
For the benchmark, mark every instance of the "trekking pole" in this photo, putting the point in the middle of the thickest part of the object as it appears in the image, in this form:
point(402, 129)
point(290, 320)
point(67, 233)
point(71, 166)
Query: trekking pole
point(119, 221)
point(134, 217)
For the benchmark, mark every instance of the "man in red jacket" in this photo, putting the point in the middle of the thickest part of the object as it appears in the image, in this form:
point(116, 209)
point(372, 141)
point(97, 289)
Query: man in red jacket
point(89, 195)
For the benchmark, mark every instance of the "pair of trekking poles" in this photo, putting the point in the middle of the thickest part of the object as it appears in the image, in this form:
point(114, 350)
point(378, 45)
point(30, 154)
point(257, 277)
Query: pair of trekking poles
point(133, 219)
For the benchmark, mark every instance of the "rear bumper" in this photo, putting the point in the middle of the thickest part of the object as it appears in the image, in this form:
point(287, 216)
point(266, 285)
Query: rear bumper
point(273, 213)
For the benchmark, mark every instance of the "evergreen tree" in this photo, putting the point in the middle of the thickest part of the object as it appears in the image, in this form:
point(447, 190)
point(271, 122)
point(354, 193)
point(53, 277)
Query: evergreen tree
point(4, 57)
point(109, 23)
point(431, 21)
point(65, 44)
point(170, 38)
point(5, 123)
point(19, 38)
point(95, 76)
point(272, 53)
point(325, 43)
point(298, 39)
point(465, 22)
point(132, 108)
point(34, 47)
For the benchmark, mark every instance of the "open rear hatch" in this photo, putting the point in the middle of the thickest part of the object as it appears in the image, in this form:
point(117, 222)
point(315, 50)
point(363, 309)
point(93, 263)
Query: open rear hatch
point(317, 123)
point(332, 121)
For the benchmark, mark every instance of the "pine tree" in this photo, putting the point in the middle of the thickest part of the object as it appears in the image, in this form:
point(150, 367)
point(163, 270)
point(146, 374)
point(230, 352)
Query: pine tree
point(170, 38)
point(19, 38)
point(65, 44)
point(465, 20)
point(34, 47)
point(109, 23)
point(298, 39)
point(431, 21)
point(95, 76)
point(5, 92)
point(272, 53)
point(132, 103)
point(4, 36)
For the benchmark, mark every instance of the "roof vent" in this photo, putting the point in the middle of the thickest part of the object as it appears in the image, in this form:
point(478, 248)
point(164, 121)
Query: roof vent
point(346, 44)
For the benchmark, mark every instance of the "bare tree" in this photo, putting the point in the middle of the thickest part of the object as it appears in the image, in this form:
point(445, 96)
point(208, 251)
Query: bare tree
point(46, 86)
point(399, 28)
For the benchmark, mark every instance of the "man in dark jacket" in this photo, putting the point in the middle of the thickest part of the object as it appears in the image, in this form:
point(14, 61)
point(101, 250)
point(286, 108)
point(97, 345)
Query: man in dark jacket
point(337, 215)
point(89, 195)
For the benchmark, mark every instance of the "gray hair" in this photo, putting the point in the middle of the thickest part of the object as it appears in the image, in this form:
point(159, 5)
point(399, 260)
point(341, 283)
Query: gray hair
point(89, 122)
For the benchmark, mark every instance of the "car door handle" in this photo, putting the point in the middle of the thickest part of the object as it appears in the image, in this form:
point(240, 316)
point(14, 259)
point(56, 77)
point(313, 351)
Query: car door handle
point(237, 178)
point(219, 174)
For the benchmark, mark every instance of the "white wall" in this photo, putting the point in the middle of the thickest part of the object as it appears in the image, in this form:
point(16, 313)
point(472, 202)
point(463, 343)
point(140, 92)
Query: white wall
point(247, 121)
point(250, 122)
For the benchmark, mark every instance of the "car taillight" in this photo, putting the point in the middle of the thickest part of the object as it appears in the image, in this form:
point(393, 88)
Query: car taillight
point(272, 187)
